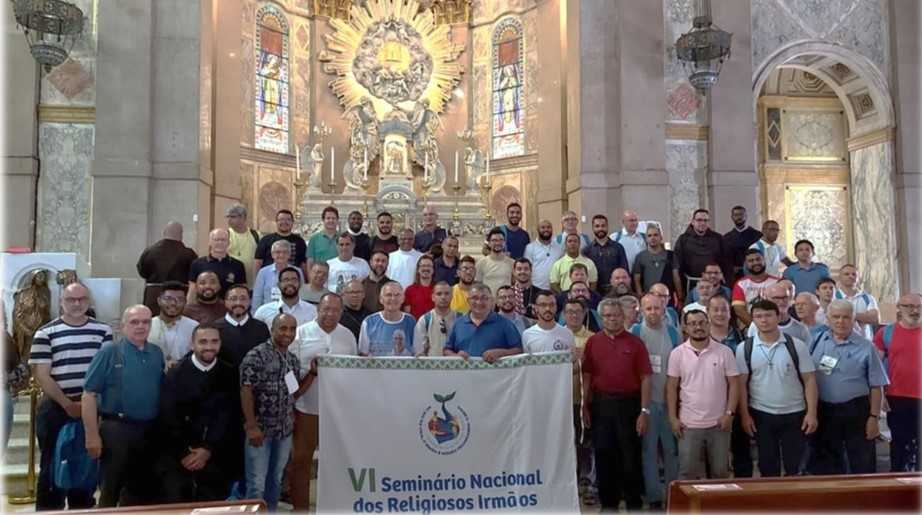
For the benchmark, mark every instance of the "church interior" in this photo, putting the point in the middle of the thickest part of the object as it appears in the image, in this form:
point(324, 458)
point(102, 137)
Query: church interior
point(175, 109)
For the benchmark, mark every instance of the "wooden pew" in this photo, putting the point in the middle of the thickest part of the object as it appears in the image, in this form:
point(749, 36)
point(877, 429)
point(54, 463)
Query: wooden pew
point(241, 507)
point(873, 493)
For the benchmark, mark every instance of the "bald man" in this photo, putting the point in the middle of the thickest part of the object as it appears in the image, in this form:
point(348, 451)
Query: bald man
point(431, 233)
point(542, 253)
point(633, 241)
point(782, 294)
point(166, 260)
point(230, 271)
point(807, 305)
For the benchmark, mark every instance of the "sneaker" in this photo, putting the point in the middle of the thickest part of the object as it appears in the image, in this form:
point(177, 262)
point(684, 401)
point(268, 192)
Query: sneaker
point(591, 498)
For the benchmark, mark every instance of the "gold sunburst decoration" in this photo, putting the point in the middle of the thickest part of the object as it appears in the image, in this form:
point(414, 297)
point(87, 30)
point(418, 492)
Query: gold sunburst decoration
point(394, 53)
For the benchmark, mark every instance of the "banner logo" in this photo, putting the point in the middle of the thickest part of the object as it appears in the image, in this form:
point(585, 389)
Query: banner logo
point(444, 431)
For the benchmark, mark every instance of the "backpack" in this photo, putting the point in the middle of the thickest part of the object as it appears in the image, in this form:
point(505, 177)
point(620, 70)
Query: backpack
point(887, 336)
point(620, 233)
point(864, 296)
point(255, 235)
point(427, 318)
point(673, 333)
point(788, 344)
point(73, 466)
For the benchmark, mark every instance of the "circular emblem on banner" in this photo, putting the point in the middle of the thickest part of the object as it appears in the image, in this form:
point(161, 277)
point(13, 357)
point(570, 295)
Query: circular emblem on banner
point(444, 430)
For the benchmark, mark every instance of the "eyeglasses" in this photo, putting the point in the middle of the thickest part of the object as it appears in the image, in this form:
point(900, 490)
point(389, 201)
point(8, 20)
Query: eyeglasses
point(572, 312)
point(479, 298)
point(700, 323)
point(238, 299)
point(545, 305)
point(779, 299)
point(702, 219)
point(353, 292)
point(172, 299)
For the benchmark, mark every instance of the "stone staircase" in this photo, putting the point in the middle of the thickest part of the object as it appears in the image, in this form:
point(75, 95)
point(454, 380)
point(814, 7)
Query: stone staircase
point(16, 460)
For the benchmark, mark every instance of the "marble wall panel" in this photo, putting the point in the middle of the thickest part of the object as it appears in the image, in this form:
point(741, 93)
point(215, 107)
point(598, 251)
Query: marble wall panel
point(866, 29)
point(686, 165)
point(876, 252)
point(772, 27)
point(65, 151)
point(247, 100)
point(821, 215)
point(684, 102)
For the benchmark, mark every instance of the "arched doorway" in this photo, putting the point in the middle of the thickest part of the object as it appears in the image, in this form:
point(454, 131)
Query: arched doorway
point(854, 177)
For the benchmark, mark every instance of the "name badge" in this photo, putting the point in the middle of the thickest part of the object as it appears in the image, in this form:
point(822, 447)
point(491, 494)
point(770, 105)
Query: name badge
point(656, 362)
point(827, 363)
point(291, 382)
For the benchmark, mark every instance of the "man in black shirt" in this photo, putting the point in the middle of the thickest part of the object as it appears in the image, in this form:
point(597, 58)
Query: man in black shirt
point(194, 406)
point(386, 240)
point(362, 240)
point(354, 313)
point(229, 270)
point(167, 260)
point(738, 240)
point(284, 221)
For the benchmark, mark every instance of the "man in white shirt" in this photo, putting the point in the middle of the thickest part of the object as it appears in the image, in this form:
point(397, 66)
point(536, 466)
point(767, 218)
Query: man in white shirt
point(781, 294)
point(633, 241)
point(290, 303)
point(542, 253)
point(170, 330)
point(345, 266)
point(547, 335)
point(401, 263)
point(266, 286)
point(772, 252)
point(318, 337)
point(866, 312)
point(435, 326)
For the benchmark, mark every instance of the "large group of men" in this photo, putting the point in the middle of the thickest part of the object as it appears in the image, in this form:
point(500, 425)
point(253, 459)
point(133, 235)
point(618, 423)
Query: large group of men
point(211, 390)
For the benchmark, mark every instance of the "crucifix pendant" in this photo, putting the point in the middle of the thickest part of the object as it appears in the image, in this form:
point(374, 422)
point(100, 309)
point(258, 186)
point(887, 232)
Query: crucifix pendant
point(771, 365)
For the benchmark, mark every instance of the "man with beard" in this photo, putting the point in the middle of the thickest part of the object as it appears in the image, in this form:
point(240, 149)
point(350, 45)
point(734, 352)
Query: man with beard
point(446, 265)
point(495, 270)
point(170, 330)
point(714, 275)
point(466, 272)
point(435, 325)
point(604, 252)
point(290, 303)
point(167, 260)
point(630, 238)
point(738, 240)
point(284, 222)
point(525, 291)
point(345, 266)
point(751, 288)
point(560, 272)
point(268, 401)
point(542, 253)
point(195, 402)
point(228, 270)
point(772, 251)
point(516, 237)
point(431, 233)
point(266, 289)
point(579, 290)
point(316, 286)
point(705, 291)
point(322, 245)
point(385, 240)
point(656, 265)
point(401, 263)
point(697, 247)
point(781, 294)
point(321, 336)
point(505, 306)
point(240, 333)
point(620, 284)
point(547, 335)
point(374, 282)
point(354, 313)
point(579, 274)
point(206, 307)
point(362, 240)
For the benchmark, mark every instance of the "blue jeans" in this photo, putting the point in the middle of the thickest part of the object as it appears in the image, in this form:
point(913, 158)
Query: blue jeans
point(658, 431)
point(264, 467)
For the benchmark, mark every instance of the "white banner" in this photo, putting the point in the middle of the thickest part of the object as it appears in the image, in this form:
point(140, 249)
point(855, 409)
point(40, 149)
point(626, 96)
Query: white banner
point(445, 434)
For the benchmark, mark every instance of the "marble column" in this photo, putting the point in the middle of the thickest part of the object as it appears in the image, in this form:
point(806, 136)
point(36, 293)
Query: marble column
point(594, 102)
point(734, 129)
point(552, 92)
point(904, 37)
point(228, 116)
point(20, 137)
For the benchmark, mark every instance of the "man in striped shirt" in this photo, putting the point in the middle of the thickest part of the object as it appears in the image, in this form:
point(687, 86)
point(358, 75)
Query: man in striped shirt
point(61, 353)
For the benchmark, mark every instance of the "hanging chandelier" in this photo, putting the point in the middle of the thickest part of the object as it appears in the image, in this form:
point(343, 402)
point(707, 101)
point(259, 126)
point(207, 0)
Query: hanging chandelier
point(702, 50)
point(51, 28)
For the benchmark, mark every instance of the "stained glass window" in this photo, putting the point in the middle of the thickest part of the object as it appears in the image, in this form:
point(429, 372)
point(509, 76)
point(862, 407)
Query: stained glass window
point(508, 96)
point(272, 74)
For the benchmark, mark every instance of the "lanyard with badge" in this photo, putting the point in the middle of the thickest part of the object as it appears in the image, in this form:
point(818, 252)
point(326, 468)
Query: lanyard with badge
point(828, 363)
point(290, 380)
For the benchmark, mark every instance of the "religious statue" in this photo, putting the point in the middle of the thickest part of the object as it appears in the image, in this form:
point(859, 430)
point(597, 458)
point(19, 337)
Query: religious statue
point(473, 166)
point(426, 123)
point(393, 156)
point(363, 125)
point(315, 166)
point(31, 310)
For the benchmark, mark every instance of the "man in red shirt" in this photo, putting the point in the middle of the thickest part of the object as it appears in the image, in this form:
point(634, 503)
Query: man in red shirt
point(901, 344)
point(616, 397)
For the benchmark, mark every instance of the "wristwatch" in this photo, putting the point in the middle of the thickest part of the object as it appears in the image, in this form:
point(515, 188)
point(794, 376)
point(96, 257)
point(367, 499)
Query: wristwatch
point(645, 411)
point(875, 416)
point(730, 413)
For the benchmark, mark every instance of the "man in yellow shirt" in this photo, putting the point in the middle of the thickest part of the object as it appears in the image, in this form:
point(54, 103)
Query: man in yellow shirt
point(466, 270)
point(243, 239)
point(560, 271)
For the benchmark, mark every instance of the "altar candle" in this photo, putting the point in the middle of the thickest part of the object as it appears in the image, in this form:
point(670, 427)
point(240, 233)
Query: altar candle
point(297, 163)
point(456, 167)
point(488, 169)
point(366, 163)
point(426, 168)
point(332, 163)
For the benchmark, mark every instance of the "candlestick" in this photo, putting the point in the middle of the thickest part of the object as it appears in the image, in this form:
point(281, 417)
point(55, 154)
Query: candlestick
point(488, 169)
point(456, 166)
point(426, 168)
point(332, 163)
point(366, 163)
point(297, 163)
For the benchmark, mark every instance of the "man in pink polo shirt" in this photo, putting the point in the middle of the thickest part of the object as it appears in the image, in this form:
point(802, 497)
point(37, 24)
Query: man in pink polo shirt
point(703, 380)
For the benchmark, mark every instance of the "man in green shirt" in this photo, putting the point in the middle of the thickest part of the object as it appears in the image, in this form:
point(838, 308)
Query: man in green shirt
point(322, 246)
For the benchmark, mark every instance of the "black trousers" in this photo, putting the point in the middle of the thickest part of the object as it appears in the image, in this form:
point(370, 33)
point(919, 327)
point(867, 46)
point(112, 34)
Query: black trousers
point(50, 418)
point(779, 440)
point(740, 447)
point(903, 421)
point(179, 485)
point(126, 465)
point(618, 465)
point(842, 427)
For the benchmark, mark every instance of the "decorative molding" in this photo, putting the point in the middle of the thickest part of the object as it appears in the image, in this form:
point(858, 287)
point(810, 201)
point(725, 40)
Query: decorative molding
point(513, 163)
point(451, 11)
point(818, 103)
point(688, 131)
point(66, 114)
point(332, 9)
point(835, 176)
point(266, 157)
point(869, 139)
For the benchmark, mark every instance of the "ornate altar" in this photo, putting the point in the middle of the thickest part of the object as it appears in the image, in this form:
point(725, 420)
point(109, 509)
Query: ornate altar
point(395, 70)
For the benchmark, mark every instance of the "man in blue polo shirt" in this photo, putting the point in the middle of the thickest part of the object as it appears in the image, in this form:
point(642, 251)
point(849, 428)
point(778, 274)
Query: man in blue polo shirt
point(849, 377)
point(120, 401)
point(483, 333)
point(805, 273)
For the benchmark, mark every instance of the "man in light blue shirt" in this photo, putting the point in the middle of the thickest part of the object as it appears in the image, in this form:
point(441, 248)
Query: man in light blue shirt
point(850, 378)
point(266, 289)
